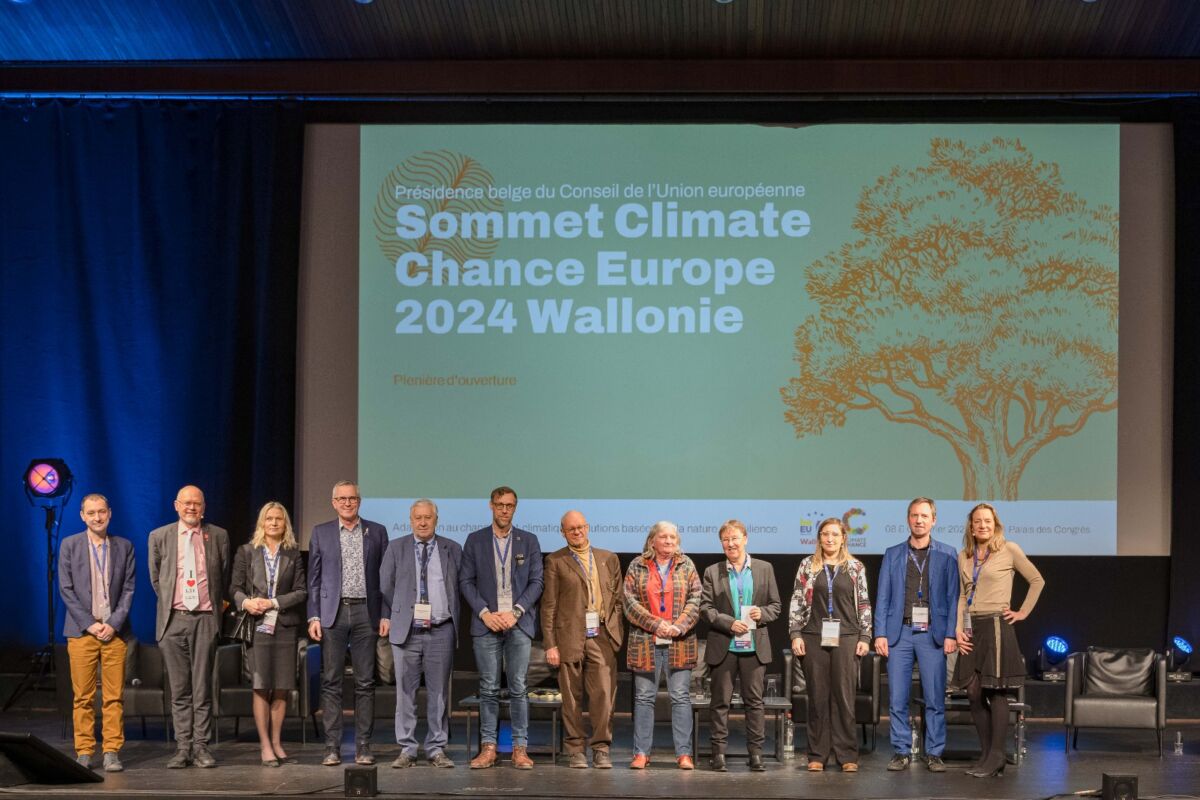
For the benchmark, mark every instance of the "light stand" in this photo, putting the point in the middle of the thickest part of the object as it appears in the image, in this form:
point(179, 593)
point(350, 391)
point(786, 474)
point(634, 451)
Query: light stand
point(48, 483)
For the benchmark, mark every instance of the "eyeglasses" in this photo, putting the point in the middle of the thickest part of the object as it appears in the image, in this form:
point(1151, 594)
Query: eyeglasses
point(504, 506)
point(351, 500)
point(576, 529)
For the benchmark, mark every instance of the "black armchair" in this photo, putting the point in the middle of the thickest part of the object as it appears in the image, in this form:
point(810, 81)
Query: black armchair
point(1115, 688)
point(866, 697)
point(233, 689)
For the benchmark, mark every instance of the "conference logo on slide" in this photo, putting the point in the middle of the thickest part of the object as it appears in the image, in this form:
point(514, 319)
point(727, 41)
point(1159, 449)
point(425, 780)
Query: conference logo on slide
point(978, 302)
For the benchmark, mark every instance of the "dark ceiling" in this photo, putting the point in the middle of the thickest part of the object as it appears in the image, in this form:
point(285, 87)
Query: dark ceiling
point(256, 30)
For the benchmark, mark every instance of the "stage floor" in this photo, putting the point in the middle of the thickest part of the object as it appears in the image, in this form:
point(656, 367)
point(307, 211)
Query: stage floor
point(1047, 771)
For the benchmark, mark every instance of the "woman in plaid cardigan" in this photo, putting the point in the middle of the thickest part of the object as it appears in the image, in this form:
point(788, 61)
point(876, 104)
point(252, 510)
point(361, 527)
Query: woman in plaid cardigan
point(662, 604)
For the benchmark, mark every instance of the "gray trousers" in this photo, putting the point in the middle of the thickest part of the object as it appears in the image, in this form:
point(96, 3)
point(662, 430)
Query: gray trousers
point(352, 627)
point(429, 654)
point(189, 646)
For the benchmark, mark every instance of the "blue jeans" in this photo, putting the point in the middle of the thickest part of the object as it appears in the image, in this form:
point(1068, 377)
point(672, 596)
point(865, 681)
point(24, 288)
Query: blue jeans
point(931, 665)
point(645, 689)
point(510, 649)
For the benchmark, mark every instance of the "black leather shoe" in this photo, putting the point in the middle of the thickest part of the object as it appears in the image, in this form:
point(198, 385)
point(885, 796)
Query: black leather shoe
point(202, 758)
point(180, 760)
point(756, 763)
point(332, 757)
point(898, 763)
point(717, 762)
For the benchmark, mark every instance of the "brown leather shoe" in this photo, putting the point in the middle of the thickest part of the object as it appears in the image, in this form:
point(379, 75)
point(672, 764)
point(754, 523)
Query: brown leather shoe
point(639, 761)
point(686, 762)
point(486, 757)
point(521, 759)
point(816, 766)
point(850, 766)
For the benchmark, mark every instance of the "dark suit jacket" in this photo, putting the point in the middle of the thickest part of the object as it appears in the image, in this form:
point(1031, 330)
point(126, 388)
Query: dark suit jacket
point(564, 603)
point(250, 580)
point(477, 578)
point(75, 583)
point(716, 606)
point(325, 570)
point(164, 551)
point(942, 570)
point(398, 583)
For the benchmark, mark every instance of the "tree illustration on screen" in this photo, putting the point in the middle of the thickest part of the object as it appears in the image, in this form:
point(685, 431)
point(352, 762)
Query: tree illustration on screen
point(979, 303)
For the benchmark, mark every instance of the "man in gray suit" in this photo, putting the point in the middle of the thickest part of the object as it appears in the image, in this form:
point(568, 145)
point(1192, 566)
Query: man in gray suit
point(189, 569)
point(419, 582)
point(96, 579)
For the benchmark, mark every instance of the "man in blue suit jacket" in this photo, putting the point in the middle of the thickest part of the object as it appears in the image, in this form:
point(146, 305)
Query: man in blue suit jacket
point(915, 615)
point(419, 581)
point(345, 607)
point(501, 579)
point(96, 579)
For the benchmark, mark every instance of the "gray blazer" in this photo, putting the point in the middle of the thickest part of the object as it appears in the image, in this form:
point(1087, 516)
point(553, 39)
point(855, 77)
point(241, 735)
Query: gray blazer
point(250, 580)
point(75, 584)
point(716, 606)
point(164, 551)
point(398, 583)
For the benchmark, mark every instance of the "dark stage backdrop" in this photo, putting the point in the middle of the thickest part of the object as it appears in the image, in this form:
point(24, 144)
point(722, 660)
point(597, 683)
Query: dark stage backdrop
point(148, 257)
point(148, 286)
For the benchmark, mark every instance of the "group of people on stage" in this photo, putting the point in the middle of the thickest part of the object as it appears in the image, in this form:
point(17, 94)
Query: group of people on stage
point(931, 601)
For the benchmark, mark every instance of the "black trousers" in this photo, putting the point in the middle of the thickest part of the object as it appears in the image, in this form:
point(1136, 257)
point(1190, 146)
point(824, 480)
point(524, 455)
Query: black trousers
point(352, 626)
point(831, 674)
point(752, 672)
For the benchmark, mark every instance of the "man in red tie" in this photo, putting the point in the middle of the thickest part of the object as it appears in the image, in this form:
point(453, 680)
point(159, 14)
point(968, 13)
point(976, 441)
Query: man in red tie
point(189, 569)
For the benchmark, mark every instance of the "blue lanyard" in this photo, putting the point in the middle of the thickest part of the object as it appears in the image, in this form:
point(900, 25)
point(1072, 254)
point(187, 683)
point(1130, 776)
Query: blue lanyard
point(829, 579)
point(975, 575)
point(100, 564)
point(663, 575)
point(920, 570)
point(587, 574)
point(423, 557)
point(503, 557)
point(739, 598)
point(272, 564)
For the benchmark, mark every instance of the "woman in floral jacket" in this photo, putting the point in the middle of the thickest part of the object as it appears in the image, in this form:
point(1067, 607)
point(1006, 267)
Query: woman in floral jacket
point(830, 630)
point(662, 604)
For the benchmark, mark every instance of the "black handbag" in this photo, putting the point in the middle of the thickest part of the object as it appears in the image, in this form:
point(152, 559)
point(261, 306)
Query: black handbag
point(238, 626)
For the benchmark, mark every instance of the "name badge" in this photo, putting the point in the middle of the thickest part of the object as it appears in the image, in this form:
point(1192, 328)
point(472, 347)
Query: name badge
point(105, 613)
point(967, 622)
point(591, 621)
point(659, 641)
point(831, 631)
point(267, 625)
point(423, 615)
point(745, 641)
point(920, 618)
point(504, 602)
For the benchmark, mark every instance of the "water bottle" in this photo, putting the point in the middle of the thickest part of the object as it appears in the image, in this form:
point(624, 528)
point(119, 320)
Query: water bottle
point(915, 742)
point(1178, 743)
point(789, 737)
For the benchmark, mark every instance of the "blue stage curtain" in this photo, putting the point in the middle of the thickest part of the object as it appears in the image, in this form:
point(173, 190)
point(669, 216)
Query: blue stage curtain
point(148, 284)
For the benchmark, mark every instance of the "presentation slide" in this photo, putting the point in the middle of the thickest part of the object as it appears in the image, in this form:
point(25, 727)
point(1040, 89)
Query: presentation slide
point(774, 324)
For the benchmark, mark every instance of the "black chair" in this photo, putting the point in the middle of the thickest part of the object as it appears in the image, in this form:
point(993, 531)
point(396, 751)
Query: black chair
point(866, 696)
point(233, 688)
point(1115, 688)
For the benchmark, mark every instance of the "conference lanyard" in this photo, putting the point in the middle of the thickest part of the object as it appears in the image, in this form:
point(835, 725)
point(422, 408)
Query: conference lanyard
point(503, 557)
point(101, 563)
point(975, 575)
point(272, 564)
point(664, 575)
point(587, 574)
point(740, 598)
point(424, 558)
point(920, 572)
point(829, 579)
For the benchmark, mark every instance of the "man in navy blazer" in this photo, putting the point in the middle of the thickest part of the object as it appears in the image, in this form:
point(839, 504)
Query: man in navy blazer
point(345, 608)
point(96, 580)
point(419, 581)
point(915, 617)
point(501, 579)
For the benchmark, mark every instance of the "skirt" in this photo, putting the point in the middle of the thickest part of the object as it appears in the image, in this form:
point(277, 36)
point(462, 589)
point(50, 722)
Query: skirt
point(272, 659)
point(996, 656)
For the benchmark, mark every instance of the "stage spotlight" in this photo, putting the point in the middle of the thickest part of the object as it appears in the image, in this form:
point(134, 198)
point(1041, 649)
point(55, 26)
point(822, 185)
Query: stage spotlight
point(1051, 656)
point(48, 482)
point(1177, 658)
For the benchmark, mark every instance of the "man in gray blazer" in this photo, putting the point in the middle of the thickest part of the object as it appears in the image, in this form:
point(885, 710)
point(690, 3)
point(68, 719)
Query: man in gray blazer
point(738, 597)
point(419, 583)
point(189, 570)
point(96, 579)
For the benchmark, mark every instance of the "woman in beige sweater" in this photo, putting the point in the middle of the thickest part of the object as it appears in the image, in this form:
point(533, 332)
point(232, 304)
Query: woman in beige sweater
point(990, 661)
